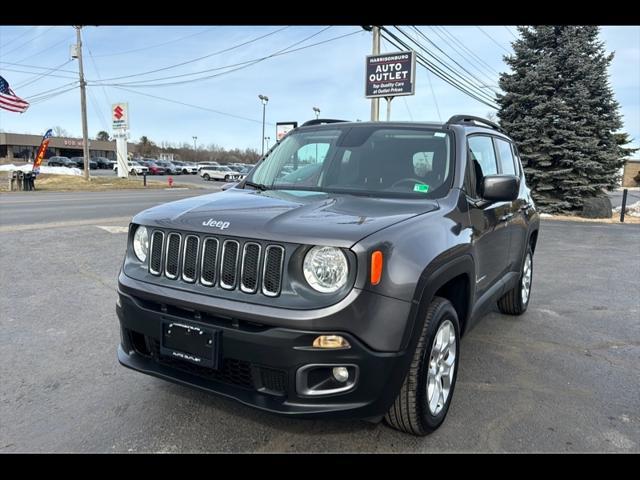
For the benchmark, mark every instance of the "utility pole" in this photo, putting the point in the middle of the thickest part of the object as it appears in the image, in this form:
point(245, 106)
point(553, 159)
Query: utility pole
point(375, 102)
point(83, 105)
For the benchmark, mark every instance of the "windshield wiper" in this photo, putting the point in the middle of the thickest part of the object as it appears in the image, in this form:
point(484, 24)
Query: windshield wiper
point(257, 186)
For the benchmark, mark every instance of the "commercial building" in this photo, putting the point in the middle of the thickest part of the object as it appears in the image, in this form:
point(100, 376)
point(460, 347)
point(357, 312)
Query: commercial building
point(17, 147)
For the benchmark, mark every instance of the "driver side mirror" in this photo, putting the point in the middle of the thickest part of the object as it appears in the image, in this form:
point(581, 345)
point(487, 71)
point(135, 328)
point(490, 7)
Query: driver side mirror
point(500, 188)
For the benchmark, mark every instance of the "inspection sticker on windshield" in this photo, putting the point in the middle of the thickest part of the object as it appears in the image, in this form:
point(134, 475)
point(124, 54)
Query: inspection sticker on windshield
point(421, 187)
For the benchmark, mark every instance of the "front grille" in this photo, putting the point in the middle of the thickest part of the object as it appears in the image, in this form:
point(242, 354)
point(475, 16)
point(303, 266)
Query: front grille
point(155, 256)
point(190, 258)
point(250, 266)
point(209, 261)
point(172, 256)
point(229, 264)
point(272, 274)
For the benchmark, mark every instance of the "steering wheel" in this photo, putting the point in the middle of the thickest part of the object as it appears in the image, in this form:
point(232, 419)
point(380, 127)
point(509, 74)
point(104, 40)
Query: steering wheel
point(407, 180)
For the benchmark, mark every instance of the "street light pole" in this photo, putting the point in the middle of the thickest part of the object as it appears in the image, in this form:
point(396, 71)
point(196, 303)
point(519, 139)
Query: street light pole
point(195, 147)
point(317, 110)
point(267, 140)
point(264, 99)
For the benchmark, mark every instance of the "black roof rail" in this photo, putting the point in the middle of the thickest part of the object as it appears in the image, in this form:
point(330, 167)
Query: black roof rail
point(462, 119)
point(321, 121)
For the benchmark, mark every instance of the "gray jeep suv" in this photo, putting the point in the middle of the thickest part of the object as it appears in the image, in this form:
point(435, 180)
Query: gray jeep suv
point(343, 286)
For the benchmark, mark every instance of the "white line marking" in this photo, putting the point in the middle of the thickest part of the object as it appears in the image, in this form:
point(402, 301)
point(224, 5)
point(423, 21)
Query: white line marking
point(113, 229)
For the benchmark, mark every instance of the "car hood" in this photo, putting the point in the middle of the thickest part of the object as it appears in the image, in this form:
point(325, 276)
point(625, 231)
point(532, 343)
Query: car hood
point(287, 216)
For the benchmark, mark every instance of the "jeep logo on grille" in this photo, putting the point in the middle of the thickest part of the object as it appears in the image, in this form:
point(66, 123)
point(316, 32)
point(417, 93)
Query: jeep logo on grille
point(216, 224)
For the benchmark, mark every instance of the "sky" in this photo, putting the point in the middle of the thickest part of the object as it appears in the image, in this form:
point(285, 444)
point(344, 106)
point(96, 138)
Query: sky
point(224, 108)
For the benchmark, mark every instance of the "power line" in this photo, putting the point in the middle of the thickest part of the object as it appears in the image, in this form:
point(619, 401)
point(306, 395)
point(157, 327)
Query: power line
point(423, 35)
point(42, 75)
point(126, 52)
point(66, 39)
point(199, 58)
point(95, 67)
point(245, 63)
point(49, 97)
point(480, 68)
point(16, 38)
point(241, 65)
point(422, 60)
point(199, 107)
point(31, 73)
point(492, 39)
point(445, 69)
point(44, 93)
point(511, 32)
point(35, 66)
point(26, 43)
point(433, 94)
point(462, 45)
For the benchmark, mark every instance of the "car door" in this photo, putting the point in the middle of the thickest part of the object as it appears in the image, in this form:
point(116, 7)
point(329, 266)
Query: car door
point(517, 222)
point(489, 220)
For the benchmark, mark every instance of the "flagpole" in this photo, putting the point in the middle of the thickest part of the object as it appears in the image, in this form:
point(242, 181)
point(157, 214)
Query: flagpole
point(83, 106)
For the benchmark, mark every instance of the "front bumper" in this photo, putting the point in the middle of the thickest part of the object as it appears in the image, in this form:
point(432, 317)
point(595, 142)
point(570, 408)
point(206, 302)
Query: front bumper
point(260, 363)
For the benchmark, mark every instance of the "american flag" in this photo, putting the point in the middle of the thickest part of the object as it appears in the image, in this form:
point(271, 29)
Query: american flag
point(9, 100)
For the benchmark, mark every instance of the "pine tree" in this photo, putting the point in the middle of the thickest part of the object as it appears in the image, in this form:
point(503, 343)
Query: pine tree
point(560, 109)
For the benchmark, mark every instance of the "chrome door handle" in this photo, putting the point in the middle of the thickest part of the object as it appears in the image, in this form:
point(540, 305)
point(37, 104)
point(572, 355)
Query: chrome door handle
point(506, 217)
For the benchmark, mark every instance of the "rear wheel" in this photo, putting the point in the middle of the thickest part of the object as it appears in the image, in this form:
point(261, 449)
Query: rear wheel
point(423, 401)
point(516, 300)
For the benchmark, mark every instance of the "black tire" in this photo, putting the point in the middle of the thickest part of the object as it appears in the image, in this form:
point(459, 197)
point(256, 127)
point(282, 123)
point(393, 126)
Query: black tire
point(512, 302)
point(206, 177)
point(410, 412)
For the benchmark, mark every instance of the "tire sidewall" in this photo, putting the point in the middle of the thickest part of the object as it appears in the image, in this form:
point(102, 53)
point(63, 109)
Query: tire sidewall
point(445, 312)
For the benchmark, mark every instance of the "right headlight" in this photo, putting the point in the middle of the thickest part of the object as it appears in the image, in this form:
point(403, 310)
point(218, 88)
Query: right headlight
point(141, 243)
point(325, 269)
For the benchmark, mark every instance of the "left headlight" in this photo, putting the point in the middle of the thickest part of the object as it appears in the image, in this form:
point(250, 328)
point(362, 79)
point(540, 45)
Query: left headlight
point(325, 269)
point(141, 243)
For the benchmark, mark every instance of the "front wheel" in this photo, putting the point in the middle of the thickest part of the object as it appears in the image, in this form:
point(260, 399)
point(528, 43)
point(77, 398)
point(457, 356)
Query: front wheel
point(423, 401)
point(516, 300)
point(206, 177)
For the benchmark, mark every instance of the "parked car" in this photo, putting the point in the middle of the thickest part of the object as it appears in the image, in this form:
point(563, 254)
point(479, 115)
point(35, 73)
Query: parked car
point(202, 165)
point(219, 173)
point(135, 168)
point(103, 163)
point(186, 167)
point(79, 163)
point(154, 168)
point(60, 162)
point(343, 293)
point(169, 167)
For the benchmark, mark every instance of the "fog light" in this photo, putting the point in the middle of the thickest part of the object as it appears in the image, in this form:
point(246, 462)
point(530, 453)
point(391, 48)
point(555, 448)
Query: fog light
point(330, 341)
point(341, 374)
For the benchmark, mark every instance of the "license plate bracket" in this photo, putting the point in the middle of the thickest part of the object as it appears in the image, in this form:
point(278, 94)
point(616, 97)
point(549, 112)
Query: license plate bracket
point(191, 343)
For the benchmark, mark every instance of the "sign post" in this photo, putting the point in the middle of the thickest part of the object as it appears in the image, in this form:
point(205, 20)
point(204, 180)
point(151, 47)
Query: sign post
point(120, 125)
point(390, 75)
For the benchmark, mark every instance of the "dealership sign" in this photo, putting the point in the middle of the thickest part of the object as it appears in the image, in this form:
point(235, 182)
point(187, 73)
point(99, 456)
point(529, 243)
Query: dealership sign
point(120, 116)
point(282, 128)
point(390, 74)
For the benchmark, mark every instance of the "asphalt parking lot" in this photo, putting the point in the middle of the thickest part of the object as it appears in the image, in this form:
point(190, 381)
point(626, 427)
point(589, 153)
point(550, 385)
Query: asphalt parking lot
point(563, 377)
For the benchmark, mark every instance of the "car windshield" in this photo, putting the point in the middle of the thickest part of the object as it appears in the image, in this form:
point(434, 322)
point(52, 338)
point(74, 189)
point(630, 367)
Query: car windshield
point(375, 160)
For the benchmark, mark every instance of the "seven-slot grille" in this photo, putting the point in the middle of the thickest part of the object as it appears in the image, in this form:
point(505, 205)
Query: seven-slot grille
point(230, 264)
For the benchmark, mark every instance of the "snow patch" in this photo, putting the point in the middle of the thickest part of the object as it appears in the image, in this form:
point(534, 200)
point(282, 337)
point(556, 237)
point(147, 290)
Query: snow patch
point(43, 169)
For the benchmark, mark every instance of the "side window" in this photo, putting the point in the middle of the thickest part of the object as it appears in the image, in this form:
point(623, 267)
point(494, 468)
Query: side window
point(507, 161)
point(482, 152)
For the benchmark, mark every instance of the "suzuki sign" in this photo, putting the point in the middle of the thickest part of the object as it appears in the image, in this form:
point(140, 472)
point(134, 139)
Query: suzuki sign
point(120, 116)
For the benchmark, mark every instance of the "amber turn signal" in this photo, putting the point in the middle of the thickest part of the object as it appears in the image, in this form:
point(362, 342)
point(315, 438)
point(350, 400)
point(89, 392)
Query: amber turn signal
point(331, 341)
point(376, 267)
